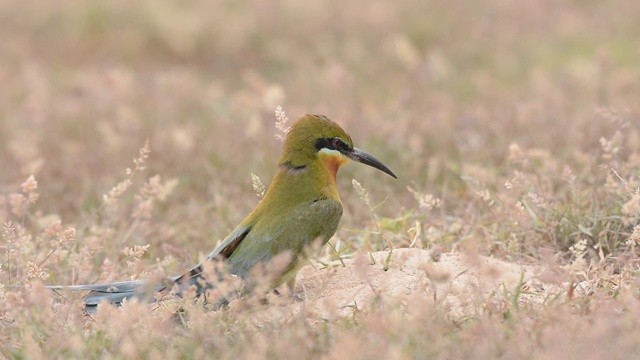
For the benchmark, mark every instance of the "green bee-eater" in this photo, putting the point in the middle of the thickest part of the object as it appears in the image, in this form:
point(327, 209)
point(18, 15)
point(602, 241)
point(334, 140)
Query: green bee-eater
point(301, 206)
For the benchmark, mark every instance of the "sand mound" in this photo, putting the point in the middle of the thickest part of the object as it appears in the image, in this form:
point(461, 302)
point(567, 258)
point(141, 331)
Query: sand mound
point(457, 281)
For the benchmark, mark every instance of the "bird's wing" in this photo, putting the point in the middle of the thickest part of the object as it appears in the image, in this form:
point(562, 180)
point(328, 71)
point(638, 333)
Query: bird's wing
point(258, 239)
point(230, 243)
point(289, 234)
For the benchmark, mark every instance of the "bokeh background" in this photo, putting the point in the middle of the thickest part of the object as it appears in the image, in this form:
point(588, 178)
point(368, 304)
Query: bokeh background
point(521, 118)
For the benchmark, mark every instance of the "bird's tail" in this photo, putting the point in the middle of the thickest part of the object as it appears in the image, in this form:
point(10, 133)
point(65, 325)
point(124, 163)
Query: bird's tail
point(116, 293)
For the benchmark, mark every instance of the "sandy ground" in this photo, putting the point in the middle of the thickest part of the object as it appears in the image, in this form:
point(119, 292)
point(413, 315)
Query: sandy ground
point(459, 283)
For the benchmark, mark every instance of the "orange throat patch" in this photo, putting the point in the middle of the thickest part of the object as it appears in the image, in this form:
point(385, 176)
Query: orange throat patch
point(333, 161)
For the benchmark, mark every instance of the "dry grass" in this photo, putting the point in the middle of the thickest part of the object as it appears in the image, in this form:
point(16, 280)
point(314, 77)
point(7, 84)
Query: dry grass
point(515, 126)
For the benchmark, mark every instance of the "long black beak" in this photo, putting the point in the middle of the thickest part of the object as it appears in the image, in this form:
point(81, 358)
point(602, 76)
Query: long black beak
point(361, 156)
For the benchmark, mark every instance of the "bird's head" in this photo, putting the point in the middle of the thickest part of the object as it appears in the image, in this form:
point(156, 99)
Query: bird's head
point(316, 137)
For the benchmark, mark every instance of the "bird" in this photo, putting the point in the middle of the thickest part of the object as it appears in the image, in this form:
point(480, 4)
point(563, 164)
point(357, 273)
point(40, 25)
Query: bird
point(300, 207)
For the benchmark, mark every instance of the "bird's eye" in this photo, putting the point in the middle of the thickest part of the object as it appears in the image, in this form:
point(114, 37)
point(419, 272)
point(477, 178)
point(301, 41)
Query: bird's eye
point(332, 144)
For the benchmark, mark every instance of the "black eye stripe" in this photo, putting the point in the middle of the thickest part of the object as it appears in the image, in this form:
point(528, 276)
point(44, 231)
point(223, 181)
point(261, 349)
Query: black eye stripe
point(322, 143)
point(331, 144)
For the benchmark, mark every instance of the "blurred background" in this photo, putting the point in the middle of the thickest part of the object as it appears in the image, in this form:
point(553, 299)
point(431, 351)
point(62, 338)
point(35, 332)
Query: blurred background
point(456, 97)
